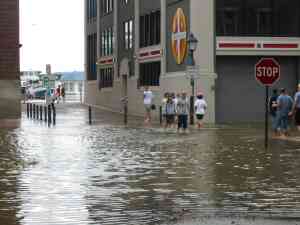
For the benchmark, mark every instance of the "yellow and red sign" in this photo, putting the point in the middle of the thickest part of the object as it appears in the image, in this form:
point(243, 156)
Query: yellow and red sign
point(179, 36)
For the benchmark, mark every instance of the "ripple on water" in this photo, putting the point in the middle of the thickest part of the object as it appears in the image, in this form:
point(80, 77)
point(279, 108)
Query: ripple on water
point(108, 174)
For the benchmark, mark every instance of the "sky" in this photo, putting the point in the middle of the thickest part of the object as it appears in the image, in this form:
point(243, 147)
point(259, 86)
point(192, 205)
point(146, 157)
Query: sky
point(52, 32)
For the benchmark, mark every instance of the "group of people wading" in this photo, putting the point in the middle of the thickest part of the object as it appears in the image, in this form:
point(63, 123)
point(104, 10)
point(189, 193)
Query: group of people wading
point(175, 109)
point(283, 109)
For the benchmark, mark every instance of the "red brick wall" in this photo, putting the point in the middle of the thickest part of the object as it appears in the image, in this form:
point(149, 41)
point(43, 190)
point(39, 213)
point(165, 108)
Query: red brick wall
point(9, 39)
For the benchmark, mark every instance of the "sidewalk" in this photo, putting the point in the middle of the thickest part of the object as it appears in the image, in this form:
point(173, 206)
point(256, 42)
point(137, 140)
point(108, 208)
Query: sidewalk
point(104, 116)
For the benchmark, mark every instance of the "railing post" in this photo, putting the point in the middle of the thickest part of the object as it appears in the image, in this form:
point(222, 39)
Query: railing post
point(41, 112)
point(160, 115)
point(54, 113)
point(90, 115)
point(45, 113)
point(37, 112)
point(49, 115)
point(125, 113)
point(27, 109)
point(30, 110)
point(33, 111)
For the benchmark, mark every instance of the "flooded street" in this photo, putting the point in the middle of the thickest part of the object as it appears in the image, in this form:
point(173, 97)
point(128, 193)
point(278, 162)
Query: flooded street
point(108, 174)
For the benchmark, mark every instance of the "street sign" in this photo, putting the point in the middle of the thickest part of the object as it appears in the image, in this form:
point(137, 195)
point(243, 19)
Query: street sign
point(46, 82)
point(193, 72)
point(267, 71)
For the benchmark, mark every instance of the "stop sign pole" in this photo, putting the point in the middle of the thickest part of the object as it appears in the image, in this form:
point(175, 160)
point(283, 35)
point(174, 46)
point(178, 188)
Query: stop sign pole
point(267, 73)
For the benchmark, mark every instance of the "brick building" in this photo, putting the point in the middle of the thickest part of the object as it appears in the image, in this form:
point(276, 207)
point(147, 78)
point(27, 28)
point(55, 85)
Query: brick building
point(9, 60)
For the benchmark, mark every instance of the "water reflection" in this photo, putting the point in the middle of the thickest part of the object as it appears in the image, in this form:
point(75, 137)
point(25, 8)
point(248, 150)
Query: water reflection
point(9, 170)
point(253, 180)
point(108, 174)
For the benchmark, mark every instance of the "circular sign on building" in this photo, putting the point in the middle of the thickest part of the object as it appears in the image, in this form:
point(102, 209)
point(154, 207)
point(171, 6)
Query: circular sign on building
point(267, 71)
point(179, 36)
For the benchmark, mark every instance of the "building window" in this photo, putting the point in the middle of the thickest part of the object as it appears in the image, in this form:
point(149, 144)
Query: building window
point(149, 74)
point(128, 34)
point(229, 18)
point(269, 18)
point(91, 57)
point(91, 10)
point(107, 6)
point(150, 29)
point(107, 40)
point(106, 77)
point(264, 21)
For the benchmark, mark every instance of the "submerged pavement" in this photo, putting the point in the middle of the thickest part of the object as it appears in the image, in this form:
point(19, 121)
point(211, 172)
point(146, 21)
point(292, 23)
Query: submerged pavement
point(73, 173)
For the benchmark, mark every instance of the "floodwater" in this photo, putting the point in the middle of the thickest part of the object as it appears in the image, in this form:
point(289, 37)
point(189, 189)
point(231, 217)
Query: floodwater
point(109, 174)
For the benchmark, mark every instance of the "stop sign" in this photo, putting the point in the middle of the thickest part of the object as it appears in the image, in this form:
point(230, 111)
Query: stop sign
point(267, 71)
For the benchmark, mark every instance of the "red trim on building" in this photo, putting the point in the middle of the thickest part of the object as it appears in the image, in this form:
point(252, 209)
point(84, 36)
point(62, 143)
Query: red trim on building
point(144, 54)
point(275, 45)
point(148, 58)
point(106, 61)
point(236, 45)
point(156, 52)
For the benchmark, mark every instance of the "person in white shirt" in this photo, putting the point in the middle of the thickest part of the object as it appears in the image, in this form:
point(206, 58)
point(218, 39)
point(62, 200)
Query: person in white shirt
point(163, 107)
point(177, 97)
point(200, 108)
point(148, 98)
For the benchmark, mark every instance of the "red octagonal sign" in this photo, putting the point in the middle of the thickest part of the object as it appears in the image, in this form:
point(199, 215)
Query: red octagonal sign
point(267, 71)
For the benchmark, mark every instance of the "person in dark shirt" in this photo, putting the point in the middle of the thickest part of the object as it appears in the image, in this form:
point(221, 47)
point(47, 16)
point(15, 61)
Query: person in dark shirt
point(273, 111)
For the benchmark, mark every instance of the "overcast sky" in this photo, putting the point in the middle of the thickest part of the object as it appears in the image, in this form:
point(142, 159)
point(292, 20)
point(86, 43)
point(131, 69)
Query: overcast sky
point(52, 33)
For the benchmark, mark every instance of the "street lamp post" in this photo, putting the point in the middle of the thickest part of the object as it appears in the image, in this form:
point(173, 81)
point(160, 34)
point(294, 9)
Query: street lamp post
point(192, 43)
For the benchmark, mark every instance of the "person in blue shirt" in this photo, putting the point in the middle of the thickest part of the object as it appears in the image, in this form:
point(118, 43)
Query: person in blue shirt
point(296, 108)
point(284, 110)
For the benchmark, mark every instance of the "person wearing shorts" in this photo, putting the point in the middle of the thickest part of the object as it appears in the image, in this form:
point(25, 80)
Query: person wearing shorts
point(296, 108)
point(177, 97)
point(148, 98)
point(163, 107)
point(170, 112)
point(183, 112)
point(200, 108)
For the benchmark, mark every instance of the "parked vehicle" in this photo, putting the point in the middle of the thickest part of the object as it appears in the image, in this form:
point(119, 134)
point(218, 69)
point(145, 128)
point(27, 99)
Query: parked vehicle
point(39, 93)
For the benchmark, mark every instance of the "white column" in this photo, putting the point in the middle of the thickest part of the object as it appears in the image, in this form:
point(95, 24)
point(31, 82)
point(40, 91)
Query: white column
point(136, 36)
point(98, 36)
point(98, 30)
point(203, 27)
point(163, 38)
point(85, 50)
point(116, 37)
